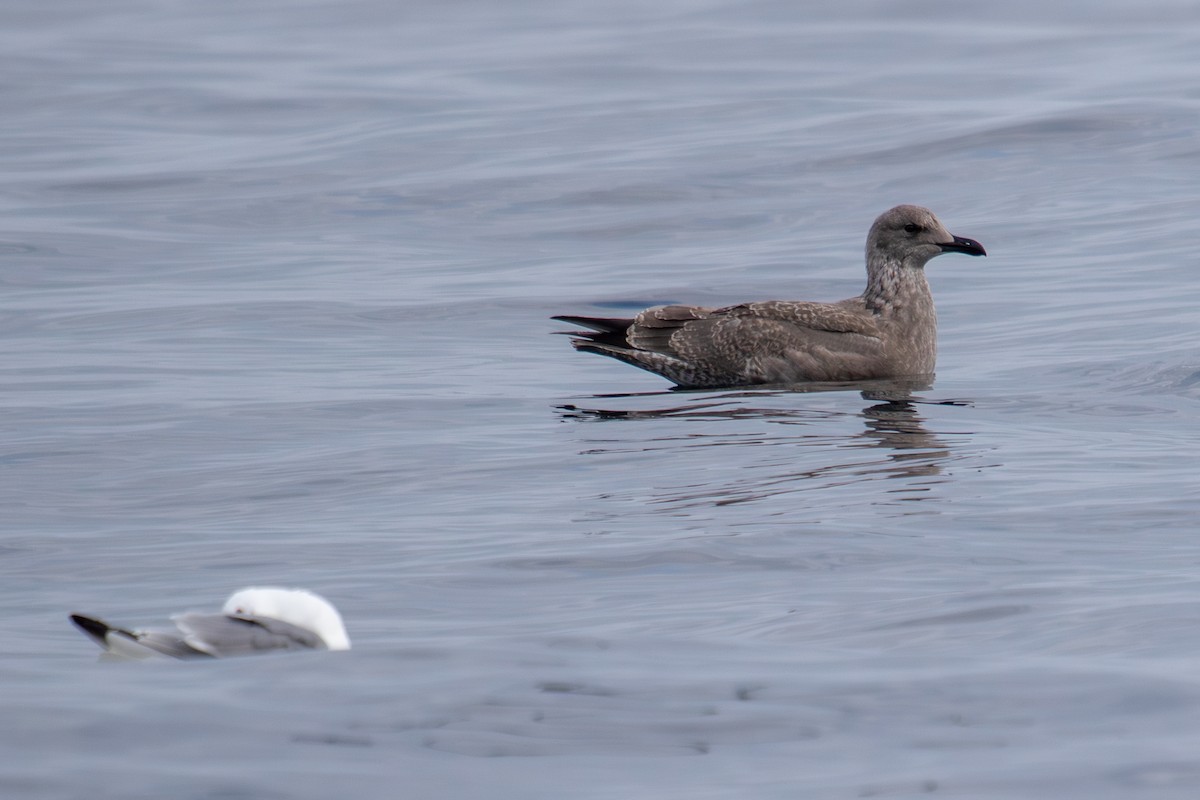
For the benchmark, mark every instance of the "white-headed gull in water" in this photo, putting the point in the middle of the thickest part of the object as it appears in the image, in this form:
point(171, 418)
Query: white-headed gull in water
point(254, 620)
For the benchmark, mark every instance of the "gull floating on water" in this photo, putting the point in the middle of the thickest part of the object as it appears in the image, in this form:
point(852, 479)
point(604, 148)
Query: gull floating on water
point(889, 331)
point(254, 620)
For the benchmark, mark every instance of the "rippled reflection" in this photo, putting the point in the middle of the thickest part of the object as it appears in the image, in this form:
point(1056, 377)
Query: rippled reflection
point(750, 445)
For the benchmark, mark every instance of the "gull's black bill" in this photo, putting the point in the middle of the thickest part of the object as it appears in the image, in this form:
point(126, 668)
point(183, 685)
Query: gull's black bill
point(961, 244)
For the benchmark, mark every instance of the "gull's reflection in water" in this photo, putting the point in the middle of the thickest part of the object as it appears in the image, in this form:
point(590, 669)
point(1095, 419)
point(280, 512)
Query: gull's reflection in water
point(769, 443)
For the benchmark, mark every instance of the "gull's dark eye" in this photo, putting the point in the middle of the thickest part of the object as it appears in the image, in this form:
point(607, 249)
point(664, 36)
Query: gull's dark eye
point(912, 227)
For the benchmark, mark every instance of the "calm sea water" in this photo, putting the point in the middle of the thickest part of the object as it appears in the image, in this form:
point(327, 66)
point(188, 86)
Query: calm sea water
point(275, 281)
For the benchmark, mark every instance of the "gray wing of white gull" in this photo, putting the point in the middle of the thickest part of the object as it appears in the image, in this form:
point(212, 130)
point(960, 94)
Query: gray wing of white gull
point(224, 635)
point(201, 636)
point(123, 643)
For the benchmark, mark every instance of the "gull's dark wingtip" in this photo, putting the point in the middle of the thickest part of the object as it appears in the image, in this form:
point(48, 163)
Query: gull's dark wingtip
point(94, 628)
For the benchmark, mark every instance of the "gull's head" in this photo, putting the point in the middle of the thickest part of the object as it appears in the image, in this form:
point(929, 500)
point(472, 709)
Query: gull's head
point(911, 235)
point(298, 607)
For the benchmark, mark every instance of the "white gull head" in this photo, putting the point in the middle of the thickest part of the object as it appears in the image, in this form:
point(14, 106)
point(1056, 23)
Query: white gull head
point(298, 607)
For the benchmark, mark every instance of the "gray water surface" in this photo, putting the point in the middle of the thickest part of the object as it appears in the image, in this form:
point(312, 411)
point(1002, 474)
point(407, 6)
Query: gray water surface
point(275, 285)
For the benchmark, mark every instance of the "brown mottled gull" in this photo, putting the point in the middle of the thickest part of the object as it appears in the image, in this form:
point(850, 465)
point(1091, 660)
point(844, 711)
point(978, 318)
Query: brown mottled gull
point(889, 331)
